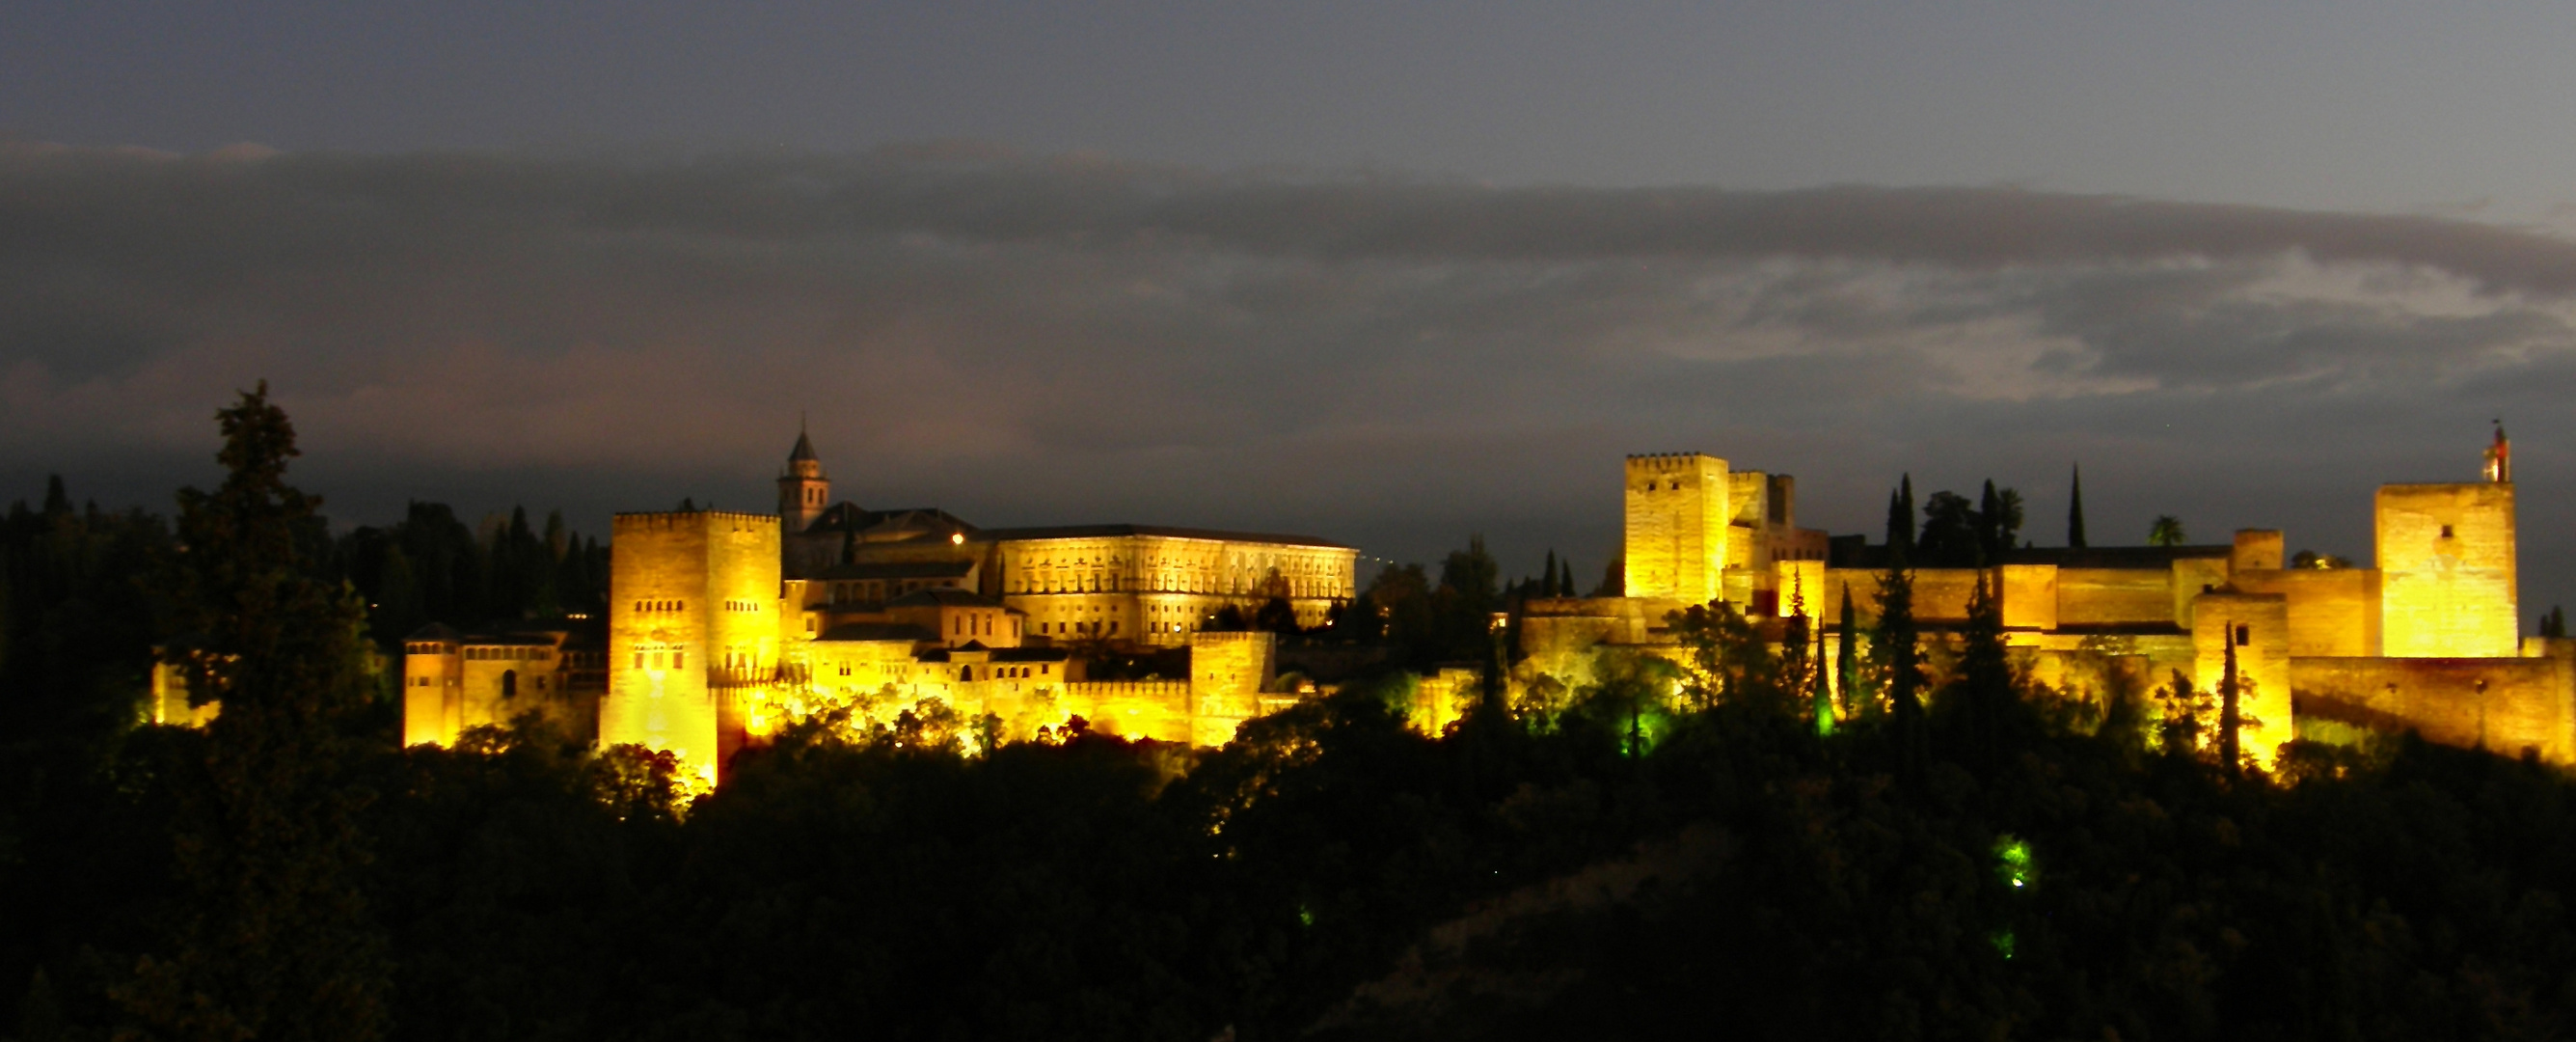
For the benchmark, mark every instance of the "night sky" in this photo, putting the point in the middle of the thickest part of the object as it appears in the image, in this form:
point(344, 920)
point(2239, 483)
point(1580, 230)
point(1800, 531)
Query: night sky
point(1390, 274)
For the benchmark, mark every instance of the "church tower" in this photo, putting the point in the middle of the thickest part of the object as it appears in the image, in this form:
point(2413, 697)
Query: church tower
point(803, 491)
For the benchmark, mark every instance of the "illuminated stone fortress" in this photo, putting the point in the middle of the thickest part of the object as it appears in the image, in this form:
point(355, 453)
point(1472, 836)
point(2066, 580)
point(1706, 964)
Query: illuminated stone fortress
point(2429, 639)
point(723, 626)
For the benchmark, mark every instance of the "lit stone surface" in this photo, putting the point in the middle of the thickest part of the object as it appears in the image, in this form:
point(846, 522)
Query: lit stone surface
point(2259, 625)
point(2446, 560)
point(1677, 527)
point(692, 629)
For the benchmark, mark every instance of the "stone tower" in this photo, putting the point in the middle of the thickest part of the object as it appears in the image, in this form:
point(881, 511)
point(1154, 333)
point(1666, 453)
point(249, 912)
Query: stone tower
point(692, 631)
point(803, 491)
point(2446, 562)
point(1678, 512)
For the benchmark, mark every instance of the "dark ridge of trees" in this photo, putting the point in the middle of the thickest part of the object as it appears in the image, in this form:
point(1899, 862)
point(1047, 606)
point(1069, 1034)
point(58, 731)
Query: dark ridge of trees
point(1450, 621)
point(1958, 534)
point(431, 567)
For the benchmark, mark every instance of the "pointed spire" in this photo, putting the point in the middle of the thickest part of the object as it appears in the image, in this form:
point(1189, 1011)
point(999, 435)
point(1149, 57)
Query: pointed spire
point(804, 452)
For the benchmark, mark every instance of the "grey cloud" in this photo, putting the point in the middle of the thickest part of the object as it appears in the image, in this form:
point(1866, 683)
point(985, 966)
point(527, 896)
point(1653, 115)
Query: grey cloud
point(1372, 357)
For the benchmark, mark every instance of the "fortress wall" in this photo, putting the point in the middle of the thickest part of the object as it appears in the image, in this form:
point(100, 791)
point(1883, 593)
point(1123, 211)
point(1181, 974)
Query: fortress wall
point(2258, 625)
point(2076, 664)
point(1560, 645)
point(2193, 576)
point(2030, 596)
point(2446, 558)
point(2503, 704)
point(1442, 698)
point(2115, 597)
point(1941, 594)
point(1559, 633)
point(1802, 588)
point(1861, 585)
point(1228, 674)
point(1134, 710)
point(2333, 613)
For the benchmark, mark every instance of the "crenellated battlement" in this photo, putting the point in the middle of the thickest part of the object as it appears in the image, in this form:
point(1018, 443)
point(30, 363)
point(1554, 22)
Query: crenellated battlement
point(1670, 462)
point(666, 520)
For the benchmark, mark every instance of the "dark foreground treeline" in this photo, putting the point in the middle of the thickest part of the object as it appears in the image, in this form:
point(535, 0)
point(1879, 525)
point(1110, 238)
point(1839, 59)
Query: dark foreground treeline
point(1657, 854)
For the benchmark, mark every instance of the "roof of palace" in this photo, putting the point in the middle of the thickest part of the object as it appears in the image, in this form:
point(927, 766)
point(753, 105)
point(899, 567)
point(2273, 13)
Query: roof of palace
point(897, 570)
point(1001, 535)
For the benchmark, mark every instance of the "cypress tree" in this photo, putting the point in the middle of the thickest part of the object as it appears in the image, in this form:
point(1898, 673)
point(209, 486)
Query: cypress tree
point(1894, 646)
point(1900, 522)
point(1822, 695)
point(1547, 575)
point(2230, 708)
point(1847, 658)
point(1565, 581)
point(1984, 691)
point(2075, 512)
point(1989, 526)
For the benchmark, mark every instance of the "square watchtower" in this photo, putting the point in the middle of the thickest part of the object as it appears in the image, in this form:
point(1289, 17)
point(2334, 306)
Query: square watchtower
point(2447, 567)
point(1678, 516)
point(692, 619)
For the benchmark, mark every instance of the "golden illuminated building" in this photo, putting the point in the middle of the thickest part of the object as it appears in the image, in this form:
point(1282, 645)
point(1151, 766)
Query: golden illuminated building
point(454, 681)
point(723, 627)
point(2429, 639)
point(693, 631)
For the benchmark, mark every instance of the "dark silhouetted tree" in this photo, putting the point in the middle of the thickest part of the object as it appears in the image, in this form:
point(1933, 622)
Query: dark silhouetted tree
point(2230, 708)
point(2075, 512)
point(1950, 533)
point(2166, 531)
point(1894, 647)
point(278, 942)
point(1847, 660)
point(1900, 521)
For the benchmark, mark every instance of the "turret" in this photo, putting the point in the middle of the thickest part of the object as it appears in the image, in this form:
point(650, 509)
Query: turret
point(803, 491)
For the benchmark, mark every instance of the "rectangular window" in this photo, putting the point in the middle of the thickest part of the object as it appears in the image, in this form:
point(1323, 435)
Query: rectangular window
point(679, 660)
point(2244, 636)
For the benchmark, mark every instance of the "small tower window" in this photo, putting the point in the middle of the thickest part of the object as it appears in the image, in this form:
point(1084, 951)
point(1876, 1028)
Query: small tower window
point(2446, 531)
point(2244, 636)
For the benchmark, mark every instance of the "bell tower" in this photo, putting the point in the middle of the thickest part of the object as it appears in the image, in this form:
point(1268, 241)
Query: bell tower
point(803, 491)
